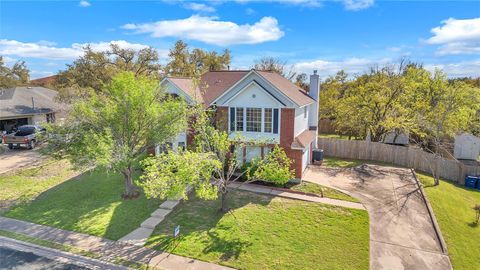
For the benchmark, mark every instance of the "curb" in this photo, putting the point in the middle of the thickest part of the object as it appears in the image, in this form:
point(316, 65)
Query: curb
point(436, 227)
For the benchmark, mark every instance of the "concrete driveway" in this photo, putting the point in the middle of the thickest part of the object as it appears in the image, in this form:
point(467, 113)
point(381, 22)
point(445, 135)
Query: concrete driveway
point(402, 235)
point(17, 158)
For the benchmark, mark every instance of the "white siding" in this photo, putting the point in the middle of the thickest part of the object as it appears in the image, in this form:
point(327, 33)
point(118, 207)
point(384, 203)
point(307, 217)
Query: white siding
point(306, 158)
point(253, 96)
point(301, 123)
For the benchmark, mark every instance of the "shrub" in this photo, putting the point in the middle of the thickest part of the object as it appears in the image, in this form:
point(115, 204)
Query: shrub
point(274, 168)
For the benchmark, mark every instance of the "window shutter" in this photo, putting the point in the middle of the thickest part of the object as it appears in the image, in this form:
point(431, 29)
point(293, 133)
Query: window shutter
point(232, 118)
point(275, 121)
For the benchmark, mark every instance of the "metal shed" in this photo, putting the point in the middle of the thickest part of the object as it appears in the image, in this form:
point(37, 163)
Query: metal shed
point(467, 146)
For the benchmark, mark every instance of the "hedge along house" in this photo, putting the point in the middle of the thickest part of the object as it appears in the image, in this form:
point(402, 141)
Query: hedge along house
point(259, 106)
point(27, 106)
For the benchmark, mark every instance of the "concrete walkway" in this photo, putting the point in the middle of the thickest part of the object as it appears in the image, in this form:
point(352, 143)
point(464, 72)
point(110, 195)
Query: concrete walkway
point(402, 235)
point(296, 196)
point(107, 248)
point(140, 235)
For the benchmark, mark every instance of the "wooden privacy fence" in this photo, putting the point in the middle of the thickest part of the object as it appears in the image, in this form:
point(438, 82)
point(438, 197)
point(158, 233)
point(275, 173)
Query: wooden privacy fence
point(399, 155)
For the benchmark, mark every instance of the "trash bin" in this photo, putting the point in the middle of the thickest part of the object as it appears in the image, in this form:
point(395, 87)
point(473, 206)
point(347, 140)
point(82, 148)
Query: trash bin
point(471, 181)
point(317, 156)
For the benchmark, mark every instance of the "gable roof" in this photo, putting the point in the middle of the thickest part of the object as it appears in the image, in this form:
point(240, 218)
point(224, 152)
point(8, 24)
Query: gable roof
point(295, 93)
point(18, 101)
point(215, 83)
point(187, 86)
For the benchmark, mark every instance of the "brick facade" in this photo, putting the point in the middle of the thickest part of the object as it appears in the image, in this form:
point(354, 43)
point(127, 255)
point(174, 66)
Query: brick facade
point(287, 136)
point(221, 118)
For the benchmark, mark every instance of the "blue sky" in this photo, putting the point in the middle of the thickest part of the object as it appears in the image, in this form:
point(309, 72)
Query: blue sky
point(309, 34)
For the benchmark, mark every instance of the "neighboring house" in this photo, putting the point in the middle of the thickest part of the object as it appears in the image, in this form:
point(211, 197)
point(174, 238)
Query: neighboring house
point(260, 106)
point(467, 147)
point(27, 106)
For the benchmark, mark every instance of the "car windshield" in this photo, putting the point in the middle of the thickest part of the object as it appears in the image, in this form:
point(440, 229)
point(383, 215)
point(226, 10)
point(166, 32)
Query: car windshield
point(24, 131)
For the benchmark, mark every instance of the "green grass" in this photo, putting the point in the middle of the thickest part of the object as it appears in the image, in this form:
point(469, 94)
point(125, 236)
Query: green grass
point(317, 189)
point(267, 233)
point(452, 205)
point(24, 185)
point(90, 203)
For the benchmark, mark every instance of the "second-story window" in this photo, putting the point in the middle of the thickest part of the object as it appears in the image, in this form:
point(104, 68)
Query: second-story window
point(267, 121)
point(254, 120)
point(239, 119)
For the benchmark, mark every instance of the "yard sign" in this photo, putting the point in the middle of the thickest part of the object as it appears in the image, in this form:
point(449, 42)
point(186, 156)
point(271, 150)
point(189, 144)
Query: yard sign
point(176, 231)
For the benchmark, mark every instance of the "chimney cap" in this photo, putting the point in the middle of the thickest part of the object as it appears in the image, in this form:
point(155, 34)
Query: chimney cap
point(314, 72)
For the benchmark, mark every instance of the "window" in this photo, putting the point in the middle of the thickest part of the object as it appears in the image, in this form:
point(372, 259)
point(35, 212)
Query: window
point(305, 112)
point(267, 122)
point(239, 119)
point(181, 145)
point(254, 119)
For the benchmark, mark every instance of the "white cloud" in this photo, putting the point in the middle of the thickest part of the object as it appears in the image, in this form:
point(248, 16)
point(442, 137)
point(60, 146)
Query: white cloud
point(460, 69)
point(212, 31)
point(43, 51)
point(350, 65)
point(250, 11)
point(84, 3)
point(305, 3)
point(355, 5)
point(198, 7)
point(457, 36)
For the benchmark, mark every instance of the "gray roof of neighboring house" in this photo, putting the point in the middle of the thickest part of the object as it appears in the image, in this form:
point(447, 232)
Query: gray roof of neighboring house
point(20, 101)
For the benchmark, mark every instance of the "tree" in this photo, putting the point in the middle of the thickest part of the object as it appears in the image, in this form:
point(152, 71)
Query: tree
point(440, 109)
point(115, 127)
point(275, 65)
point(210, 168)
point(18, 74)
point(186, 63)
point(93, 70)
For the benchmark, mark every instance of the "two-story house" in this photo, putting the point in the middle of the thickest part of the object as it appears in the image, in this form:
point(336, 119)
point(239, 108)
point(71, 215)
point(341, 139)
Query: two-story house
point(260, 106)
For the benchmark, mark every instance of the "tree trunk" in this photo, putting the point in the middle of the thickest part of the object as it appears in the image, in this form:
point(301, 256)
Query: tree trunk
point(129, 186)
point(225, 208)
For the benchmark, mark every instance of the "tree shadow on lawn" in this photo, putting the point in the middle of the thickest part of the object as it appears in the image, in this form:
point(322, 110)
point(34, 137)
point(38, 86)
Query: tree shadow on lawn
point(88, 203)
point(200, 222)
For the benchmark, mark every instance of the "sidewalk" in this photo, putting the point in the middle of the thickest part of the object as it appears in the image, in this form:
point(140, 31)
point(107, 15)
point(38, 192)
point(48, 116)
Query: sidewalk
point(296, 196)
point(107, 248)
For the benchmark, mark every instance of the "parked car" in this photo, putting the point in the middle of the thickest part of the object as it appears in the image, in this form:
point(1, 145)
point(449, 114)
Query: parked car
point(27, 135)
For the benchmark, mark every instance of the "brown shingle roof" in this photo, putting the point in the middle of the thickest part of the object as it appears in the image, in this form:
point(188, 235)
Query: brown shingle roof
point(304, 139)
point(187, 85)
point(295, 93)
point(215, 83)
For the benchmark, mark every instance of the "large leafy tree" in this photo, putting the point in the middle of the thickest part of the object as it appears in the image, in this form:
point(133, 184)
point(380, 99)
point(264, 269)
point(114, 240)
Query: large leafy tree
point(18, 74)
point(210, 168)
point(440, 109)
point(191, 63)
point(115, 127)
point(94, 69)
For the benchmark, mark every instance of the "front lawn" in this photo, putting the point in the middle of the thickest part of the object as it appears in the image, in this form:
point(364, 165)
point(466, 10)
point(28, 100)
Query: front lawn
point(24, 185)
point(453, 205)
point(267, 233)
point(317, 189)
point(89, 203)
